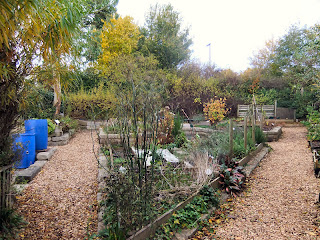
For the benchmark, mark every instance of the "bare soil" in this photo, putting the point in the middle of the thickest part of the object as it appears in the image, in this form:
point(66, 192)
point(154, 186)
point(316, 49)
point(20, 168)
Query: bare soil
point(61, 201)
point(280, 202)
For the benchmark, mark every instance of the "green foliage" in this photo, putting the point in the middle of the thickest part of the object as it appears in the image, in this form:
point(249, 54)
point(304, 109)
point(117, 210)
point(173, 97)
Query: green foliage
point(10, 224)
point(188, 216)
point(38, 103)
point(313, 124)
point(51, 126)
point(164, 37)
point(97, 12)
point(94, 104)
point(210, 196)
point(260, 137)
point(67, 123)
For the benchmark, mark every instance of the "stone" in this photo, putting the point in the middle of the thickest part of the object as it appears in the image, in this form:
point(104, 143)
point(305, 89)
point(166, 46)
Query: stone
point(101, 226)
point(99, 197)
point(27, 174)
point(64, 137)
point(40, 163)
point(49, 139)
point(60, 143)
point(71, 132)
point(100, 215)
point(102, 187)
point(102, 175)
point(57, 131)
point(47, 154)
point(103, 161)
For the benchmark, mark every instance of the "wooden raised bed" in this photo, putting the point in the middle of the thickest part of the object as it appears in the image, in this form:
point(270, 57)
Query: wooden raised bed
point(150, 229)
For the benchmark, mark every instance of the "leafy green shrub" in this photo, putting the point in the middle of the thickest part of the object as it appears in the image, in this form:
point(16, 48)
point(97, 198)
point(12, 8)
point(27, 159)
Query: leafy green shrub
point(68, 123)
point(313, 124)
point(51, 126)
point(93, 104)
point(188, 216)
point(179, 136)
point(38, 103)
point(260, 137)
point(10, 224)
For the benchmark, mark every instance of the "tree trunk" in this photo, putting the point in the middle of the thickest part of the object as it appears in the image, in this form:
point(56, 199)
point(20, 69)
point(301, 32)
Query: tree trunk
point(57, 92)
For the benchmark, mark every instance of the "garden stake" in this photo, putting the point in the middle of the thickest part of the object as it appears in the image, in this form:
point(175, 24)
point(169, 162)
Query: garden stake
point(231, 138)
point(245, 133)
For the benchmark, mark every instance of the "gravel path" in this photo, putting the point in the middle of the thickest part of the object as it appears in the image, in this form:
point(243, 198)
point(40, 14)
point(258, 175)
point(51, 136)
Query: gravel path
point(279, 203)
point(60, 202)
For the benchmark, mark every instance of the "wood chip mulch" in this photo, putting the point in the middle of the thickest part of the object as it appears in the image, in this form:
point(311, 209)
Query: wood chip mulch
point(61, 201)
point(280, 201)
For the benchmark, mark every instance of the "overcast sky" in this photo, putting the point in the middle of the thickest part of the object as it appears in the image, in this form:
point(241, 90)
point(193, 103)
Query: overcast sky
point(235, 28)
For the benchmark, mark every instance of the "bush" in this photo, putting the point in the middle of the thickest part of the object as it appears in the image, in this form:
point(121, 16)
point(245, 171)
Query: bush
point(68, 123)
point(38, 103)
point(93, 104)
point(10, 224)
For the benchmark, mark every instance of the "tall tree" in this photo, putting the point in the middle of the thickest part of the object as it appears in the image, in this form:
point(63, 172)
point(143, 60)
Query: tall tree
point(98, 12)
point(118, 37)
point(164, 37)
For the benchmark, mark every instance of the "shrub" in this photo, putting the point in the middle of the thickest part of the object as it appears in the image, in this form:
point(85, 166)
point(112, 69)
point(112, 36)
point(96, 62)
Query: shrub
point(38, 103)
point(215, 110)
point(93, 104)
point(10, 224)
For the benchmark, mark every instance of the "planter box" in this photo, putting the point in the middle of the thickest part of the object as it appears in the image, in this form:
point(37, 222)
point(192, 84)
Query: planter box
point(274, 134)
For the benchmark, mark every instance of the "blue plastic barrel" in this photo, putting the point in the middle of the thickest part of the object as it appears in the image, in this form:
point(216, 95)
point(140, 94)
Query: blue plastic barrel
point(24, 144)
point(40, 128)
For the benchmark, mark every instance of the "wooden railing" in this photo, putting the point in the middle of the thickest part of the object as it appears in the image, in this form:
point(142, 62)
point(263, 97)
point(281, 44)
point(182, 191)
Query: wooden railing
point(5, 187)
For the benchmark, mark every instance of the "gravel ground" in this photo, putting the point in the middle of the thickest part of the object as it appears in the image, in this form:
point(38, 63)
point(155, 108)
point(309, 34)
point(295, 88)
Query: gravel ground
point(280, 201)
point(61, 201)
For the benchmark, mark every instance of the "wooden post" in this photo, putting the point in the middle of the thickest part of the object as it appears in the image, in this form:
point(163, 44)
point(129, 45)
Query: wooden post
point(261, 121)
point(253, 128)
point(231, 138)
point(275, 109)
point(245, 133)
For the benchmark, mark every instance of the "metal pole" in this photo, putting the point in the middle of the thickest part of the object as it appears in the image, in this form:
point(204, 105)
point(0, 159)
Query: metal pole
point(209, 45)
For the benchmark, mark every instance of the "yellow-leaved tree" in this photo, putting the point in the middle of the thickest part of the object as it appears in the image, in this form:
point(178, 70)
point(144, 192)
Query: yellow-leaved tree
point(118, 37)
point(215, 110)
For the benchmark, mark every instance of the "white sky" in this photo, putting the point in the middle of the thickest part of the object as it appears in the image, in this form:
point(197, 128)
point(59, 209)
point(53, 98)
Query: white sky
point(235, 28)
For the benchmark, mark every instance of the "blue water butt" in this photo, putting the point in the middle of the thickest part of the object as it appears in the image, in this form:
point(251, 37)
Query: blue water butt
point(24, 144)
point(40, 128)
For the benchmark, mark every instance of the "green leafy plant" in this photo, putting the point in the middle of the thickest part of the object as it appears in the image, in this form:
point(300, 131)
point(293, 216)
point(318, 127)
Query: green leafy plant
point(67, 123)
point(51, 126)
point(10, 224)
point(313, 124)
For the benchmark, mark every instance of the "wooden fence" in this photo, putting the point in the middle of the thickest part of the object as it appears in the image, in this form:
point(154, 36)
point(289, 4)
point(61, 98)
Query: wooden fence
point(5, 186)
point(269, 111)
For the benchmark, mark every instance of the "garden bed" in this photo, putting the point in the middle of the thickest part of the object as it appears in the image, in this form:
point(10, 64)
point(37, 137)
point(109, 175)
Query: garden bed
point(150, 229)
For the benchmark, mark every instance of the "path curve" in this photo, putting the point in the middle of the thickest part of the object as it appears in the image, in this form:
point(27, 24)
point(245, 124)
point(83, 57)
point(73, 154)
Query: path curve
point(61, 201)
point(280, 201)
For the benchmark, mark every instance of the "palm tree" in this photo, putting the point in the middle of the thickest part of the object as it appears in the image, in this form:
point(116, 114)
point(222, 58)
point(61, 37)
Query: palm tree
point(29, 30)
